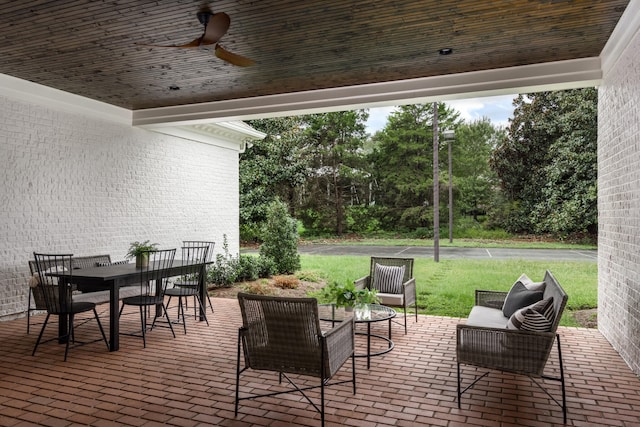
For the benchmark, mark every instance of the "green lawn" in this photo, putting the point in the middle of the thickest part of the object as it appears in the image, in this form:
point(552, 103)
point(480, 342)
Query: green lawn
point(447, 288)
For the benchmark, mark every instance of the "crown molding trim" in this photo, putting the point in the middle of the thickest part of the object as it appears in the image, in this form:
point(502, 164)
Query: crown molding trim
point(530, 78)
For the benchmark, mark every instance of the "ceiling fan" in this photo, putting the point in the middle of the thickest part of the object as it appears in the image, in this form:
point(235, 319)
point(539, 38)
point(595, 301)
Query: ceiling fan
point(215, 26)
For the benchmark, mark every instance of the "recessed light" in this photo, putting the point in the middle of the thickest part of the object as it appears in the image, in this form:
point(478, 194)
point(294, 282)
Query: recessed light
point(174, 87)
point(445, 51)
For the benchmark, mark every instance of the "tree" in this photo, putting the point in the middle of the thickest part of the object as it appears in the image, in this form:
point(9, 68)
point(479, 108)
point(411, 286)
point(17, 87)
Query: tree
point(333, 144)
point(547, 163)
point(402, 165)
point(271, 168)
point(473, 179)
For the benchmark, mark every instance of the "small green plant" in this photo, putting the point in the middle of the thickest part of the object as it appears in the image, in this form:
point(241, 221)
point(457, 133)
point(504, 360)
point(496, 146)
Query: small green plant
point(137, 248)
point(224, 271)
point(346, 294)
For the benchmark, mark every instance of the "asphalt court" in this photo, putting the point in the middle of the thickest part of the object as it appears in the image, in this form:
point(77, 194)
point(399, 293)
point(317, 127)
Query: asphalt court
point(452, 253)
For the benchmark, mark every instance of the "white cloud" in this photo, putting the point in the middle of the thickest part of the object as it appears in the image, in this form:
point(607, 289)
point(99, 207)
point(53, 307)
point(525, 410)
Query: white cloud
point(497, 108)
point(378, 118)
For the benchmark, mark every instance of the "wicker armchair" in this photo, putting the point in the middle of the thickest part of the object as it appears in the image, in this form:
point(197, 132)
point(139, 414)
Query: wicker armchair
point(511, 350)
point(283, 335)
point(405, 298)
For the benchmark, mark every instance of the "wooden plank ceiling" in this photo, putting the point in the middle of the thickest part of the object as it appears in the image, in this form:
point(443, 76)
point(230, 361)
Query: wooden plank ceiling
point(94, 48)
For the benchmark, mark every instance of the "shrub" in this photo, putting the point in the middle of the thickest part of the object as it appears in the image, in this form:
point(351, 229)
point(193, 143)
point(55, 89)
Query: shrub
point(224, 271)
point(248, 268)
point(280, 238)
point(266, 266)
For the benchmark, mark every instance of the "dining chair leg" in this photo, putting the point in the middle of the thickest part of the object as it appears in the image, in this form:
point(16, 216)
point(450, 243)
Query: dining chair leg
point(69, 336)
point(164, 308)
point(203, 308)
point(95, 313)
point(181, 311)
point(44, 325)
point(143, 318)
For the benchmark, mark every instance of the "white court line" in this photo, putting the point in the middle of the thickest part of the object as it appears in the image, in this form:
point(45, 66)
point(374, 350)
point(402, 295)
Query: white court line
point(404, 250)
point(488, 253)
point(586, 255)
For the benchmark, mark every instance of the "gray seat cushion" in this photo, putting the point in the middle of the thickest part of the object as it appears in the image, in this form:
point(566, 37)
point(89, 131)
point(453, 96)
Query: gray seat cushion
point(487, 317)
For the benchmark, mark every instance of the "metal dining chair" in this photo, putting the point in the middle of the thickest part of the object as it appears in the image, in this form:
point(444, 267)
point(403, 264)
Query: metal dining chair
point(186, 282)
point(55, 278)
point(195, 257)
point(153, 284)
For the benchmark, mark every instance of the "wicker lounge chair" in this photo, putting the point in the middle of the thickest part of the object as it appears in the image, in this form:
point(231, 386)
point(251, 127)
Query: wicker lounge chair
point(283, 335)
point(482, 342)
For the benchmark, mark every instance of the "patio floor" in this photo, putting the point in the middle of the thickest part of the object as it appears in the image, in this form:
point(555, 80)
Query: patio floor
point(190, 381)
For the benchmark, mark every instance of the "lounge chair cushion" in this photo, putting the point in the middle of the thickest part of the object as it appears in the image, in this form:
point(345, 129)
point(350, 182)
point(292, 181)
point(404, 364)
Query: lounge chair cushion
point(530, 284)
point(390, 299)
point(518, 297)
point(537, 317)
point(486, 317)
point(388, 279)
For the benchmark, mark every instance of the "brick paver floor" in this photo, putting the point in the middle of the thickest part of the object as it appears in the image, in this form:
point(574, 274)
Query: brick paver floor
point(190, 381)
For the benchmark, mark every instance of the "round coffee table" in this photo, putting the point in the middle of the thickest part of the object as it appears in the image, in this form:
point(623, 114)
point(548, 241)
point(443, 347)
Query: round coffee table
point(366, 313)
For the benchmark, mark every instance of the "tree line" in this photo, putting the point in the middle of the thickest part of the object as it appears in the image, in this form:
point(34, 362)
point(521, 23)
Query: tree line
point(536, 176)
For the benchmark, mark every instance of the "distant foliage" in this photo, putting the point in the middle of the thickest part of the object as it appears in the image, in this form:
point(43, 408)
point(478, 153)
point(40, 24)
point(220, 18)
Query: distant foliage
point(280, 239)
point(547, 165)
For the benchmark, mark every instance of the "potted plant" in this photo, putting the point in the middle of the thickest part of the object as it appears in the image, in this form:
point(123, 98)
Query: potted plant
point(138, 250)
point(346, 295)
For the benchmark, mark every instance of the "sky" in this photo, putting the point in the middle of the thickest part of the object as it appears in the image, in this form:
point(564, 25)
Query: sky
point(497, 108)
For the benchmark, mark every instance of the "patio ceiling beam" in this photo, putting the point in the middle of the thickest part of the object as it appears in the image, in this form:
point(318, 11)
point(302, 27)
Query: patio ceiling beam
point(531, 78)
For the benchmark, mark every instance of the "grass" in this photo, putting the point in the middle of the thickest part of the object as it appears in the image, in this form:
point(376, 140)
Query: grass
point(457, 243)
point(447, 288)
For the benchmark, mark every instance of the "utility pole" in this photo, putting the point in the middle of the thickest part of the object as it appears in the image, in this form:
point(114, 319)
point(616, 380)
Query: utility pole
point(436, 188)
point(449, 136)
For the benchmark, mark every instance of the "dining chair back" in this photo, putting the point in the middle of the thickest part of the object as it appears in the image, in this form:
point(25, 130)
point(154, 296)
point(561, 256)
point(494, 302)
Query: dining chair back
point(54, 286)
point(194, 257)
point(153, 284)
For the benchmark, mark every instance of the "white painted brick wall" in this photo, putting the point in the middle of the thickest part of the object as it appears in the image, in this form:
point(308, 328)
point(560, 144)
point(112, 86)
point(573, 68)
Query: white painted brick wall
point(78, 185)
point(619, 206)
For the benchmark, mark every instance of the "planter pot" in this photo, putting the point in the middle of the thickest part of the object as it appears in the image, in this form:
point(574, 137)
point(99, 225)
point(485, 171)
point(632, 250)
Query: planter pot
point(142, 261)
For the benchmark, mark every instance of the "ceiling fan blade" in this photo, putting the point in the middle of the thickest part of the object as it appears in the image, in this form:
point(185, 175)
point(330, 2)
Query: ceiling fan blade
point(233, 58)
point(216, 27)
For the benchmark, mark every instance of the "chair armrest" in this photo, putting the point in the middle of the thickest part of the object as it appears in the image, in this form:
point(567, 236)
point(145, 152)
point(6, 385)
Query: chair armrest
point(409, 289)
point(340, 344)
point(362, 282)
point(522, 352)
point(492, 299)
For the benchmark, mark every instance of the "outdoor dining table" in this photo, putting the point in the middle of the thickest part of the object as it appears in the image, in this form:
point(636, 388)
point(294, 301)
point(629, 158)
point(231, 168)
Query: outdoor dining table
point(112, 278)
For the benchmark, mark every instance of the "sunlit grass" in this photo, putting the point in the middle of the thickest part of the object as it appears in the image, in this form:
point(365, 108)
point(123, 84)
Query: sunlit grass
point(448, 288)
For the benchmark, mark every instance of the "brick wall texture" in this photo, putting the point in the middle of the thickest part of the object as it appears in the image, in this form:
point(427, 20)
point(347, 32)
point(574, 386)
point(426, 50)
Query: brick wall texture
point(619, 206)
point(73, 184)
